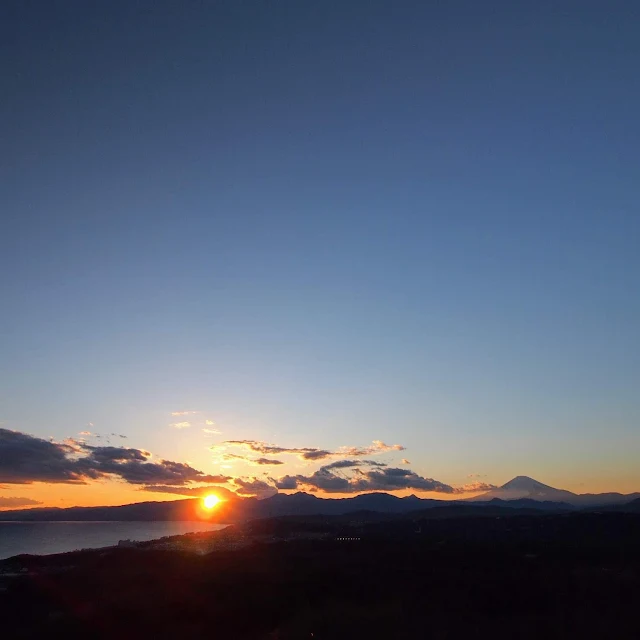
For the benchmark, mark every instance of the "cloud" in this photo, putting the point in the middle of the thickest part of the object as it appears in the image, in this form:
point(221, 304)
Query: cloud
point(367, 476)
point(377, 446)
point(347, 464)
point(180, 425)
point(392, 479)
point(116, 454)
point(311, 454)
point(184, 413)
point(254, 487)
point(25, 459)
point(85, 433)
point(254, 461)
point(306, 453)
point(17, 502)
point(405, 461)
point(285, 482)
point(266, 461)
point(476, 486)
point(477, 475)
point(209, 422)
point(212, 431)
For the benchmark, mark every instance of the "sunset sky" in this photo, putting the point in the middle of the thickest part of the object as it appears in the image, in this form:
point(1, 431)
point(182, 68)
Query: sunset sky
point(323, 246)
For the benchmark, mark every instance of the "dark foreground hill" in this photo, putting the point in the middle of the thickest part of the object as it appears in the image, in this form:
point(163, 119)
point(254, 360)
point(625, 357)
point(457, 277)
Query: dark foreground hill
point(551, 576)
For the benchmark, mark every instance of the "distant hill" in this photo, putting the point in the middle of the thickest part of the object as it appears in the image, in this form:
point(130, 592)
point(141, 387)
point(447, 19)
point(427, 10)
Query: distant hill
point(236, 510)
point(142, 511)
point(525, 488)
point(525, 503)
point(627, 507)
point(519, 493)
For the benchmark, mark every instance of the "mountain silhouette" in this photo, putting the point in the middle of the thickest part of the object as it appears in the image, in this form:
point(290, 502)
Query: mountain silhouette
point(521, 492)
point(524, 487)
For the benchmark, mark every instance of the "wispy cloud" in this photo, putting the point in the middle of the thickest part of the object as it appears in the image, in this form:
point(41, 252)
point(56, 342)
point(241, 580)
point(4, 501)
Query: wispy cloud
point(252, 461)
point(306, 453)
point(405, 461)
point(214, 432)
point(263, 461)
point(476, 486)
point(377, 446)
point(184, 413)
point(17, 502)
point(209, 423)
point(85, 433)
point(180, 425)
point(310, 454)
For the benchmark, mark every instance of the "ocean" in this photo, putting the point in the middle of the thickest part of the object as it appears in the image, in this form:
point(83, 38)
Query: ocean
point(41, 538)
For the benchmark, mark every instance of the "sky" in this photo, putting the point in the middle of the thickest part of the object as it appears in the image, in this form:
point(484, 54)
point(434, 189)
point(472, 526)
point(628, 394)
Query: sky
point(398, 232)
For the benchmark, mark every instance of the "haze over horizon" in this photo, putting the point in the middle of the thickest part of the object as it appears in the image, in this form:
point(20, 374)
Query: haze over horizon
point(332, 247)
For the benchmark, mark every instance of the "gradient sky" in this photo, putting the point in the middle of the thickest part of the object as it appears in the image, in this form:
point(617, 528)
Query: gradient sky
point(320, 224)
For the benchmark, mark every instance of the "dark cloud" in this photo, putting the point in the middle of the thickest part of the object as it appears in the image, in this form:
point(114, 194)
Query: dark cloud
point(248, 460)
point(367, 476)
point(286, 482)
point(346, 464)
point(392, 479)
point(17, 502)
point(254, 487)
point(25, 459)
point(116, 454)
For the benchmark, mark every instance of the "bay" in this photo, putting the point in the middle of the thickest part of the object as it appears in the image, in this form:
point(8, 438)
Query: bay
point(43, 538)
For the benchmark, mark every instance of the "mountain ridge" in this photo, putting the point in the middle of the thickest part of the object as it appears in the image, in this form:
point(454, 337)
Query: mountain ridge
point(520, 492)
point(524, 487)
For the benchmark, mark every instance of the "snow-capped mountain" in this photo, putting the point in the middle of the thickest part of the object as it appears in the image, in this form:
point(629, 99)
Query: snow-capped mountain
point(525, 487)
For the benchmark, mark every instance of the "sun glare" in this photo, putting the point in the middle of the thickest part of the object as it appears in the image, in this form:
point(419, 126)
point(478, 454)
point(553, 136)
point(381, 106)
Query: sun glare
point(211, 501)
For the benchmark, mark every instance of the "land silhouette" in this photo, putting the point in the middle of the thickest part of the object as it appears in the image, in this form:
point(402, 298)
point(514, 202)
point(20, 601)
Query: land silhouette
point(520, 492)
point(374, 566)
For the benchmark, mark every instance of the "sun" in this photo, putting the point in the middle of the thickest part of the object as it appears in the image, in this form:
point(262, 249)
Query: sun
point(210, 501)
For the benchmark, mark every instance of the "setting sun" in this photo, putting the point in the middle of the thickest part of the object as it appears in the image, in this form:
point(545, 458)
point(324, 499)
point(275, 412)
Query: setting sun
point(211, 501)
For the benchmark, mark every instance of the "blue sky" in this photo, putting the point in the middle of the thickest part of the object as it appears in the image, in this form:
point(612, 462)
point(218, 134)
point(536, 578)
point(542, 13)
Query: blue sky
point(322, 224)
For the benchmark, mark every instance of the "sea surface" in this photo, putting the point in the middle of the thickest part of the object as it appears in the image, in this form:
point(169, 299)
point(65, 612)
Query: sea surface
point(41, 538)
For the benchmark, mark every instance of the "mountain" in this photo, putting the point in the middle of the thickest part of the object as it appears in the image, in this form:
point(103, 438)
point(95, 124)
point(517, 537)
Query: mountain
point(235, 510)
point(602, 499)
point(520, 493)
point(523, 487)
point(627, 507)
point(306, 504)
point(525, 503)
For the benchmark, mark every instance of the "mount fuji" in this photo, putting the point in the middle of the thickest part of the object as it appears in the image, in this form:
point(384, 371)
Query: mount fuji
point(523, 487)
